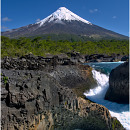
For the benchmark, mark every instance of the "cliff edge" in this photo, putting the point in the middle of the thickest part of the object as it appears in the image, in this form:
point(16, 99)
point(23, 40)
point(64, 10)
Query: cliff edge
point(118, 90)
point(51, 99)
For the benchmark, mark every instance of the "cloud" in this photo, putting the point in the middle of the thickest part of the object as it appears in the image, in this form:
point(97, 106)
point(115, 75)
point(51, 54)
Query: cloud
point(5, 28)
point(114, 17)
point(37, 20)
point(6, 19)
point(93, 10)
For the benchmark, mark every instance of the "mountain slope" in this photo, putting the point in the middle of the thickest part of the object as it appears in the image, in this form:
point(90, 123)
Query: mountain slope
point(66, 22)
point(62, 14)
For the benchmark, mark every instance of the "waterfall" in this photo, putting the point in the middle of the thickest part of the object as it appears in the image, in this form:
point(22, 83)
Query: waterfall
point(120, 111)
point(102, 81)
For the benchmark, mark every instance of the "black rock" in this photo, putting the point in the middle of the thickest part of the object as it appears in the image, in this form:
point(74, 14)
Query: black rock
point(118, 90)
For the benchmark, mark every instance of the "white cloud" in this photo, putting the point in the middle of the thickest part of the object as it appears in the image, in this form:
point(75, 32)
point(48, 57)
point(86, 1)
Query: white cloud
point(5, 19)
point(5, 28)
point(37, 20)
point(114, 17)
point(93, 10)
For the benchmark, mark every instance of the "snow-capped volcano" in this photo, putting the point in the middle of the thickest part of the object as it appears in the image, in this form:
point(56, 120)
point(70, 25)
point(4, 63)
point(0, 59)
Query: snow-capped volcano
point(62, 14)
point(63, 22)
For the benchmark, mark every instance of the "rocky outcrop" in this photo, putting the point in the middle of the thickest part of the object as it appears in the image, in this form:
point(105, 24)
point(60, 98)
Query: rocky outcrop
point(105, 58)
point(31, 62)
point(118, 90)
point(49, 100)
point(28, 97)
point(76, 57)
point(125, 58)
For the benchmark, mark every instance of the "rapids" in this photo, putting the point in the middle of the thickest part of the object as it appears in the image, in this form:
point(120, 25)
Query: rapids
point(120, 111)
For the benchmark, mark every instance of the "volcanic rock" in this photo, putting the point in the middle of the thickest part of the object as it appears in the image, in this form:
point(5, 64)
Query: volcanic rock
point(118, 90)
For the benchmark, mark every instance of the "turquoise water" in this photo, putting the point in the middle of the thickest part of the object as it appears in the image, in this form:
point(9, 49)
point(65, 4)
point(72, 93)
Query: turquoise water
point(104, 67)
point(101, 71)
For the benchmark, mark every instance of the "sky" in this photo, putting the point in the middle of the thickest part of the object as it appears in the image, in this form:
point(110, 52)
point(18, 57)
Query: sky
point(109, 14)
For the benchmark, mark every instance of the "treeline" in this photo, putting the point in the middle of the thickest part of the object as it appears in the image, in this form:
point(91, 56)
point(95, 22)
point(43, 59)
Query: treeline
point(38, 46)
point(68, 37)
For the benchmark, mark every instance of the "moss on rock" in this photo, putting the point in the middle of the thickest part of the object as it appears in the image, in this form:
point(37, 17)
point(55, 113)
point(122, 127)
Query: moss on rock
point(116, 125)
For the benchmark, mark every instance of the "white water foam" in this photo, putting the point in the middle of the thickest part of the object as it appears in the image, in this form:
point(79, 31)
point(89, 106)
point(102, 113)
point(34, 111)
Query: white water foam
point(120, 111)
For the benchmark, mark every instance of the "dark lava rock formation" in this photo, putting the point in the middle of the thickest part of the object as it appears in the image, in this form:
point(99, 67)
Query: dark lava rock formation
point(31, 62)
point(118, 90)
point(50, 98)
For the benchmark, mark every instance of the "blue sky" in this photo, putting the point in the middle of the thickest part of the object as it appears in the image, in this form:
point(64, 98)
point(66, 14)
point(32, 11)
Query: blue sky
point(109, 14)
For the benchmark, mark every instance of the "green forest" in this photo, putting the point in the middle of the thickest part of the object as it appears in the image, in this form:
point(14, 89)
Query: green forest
point(39, 46)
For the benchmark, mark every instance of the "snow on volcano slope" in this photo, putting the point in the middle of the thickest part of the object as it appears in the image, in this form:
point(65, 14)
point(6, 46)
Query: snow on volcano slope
point(62, 14)
point(63, 21)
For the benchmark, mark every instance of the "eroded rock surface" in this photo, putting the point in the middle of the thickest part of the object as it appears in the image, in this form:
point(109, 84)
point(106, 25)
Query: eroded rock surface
point(50, 100)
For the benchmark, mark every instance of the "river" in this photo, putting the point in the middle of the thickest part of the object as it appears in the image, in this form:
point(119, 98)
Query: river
point(101, 73)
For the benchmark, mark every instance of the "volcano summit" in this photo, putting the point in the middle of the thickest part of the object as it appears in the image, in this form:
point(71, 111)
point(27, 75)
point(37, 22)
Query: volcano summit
point(63, 21)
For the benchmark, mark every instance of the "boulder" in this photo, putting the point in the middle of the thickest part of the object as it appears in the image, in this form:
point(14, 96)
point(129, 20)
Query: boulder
point(118, 90)
point(125, 58)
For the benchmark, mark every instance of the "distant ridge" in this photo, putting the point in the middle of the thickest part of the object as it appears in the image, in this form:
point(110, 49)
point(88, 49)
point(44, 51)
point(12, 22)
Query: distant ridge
point(63, 21)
